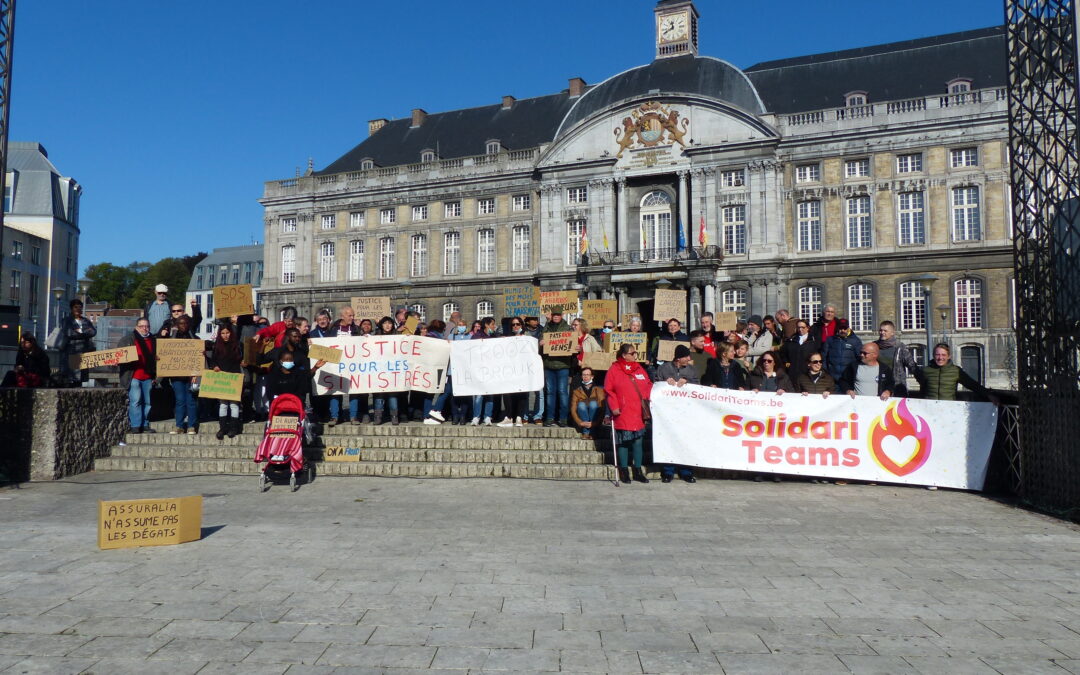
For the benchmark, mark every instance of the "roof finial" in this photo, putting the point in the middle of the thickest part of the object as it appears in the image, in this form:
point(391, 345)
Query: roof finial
point(310, 166)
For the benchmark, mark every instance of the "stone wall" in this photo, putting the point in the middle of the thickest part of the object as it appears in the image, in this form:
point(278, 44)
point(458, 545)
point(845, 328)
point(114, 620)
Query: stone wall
point(53, 433)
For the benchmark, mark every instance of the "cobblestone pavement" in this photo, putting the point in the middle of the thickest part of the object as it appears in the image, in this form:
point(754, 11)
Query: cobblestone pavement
point(353, 575)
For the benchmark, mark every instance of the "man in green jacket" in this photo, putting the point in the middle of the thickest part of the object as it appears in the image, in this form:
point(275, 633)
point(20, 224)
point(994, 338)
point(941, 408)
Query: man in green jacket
point(942, 377)
point(556, 373)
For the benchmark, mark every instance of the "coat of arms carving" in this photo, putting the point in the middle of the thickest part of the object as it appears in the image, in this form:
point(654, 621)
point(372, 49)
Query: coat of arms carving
point(649, 125)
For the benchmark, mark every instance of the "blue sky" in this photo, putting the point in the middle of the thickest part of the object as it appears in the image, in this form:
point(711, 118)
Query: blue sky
point(172, 115)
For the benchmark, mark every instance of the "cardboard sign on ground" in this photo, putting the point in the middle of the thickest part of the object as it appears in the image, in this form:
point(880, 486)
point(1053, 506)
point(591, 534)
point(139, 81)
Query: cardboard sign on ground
point(180, 358)
point(613, 340)
point(521, 301)
point(596, 312)
point(725, 321)
point(598, 360)
point(221, 385)
point(233, 300)
point(665, 350)
point(339, 453)
point(374, 308)
point(559, 344)
point(149, 522)
point(321, 353)
point(562, 301)
point(108, 357)
point(670, 304)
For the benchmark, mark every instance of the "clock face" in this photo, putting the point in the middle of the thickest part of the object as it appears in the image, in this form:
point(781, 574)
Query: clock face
point(673, 27)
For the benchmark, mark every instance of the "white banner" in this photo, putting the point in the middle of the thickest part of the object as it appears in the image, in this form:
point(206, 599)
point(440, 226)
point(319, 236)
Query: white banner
point(504, 365)
point(943, 443)
point(383, 363)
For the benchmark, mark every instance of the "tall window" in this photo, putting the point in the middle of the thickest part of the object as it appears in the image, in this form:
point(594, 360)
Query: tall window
point(967, 296)
point(419, 212)
point(909, 163)
point(418, 260)
point(69, 264)
point(484, 309)
point(912, 216)
point(452, 253)
point(807, 173)
point(962, 157)
point(522, 253)
point(655, 225)
point(967, 224)
point(733, 300)
point(388, 216)
point(329, 221)
point(485, 207)
point(199, 277)
point(810, 226)
point(971, 360)
point(288, 225)
point(356, 219)
point(421, 311)
point(449, 308)
point(577, 195)
point(327, 261)
point(912, 306)
point(35, 288)
point(485, 250)
point(733, 178)
point(15, 294)
point(258, 273)
point(35, 255)
point(522, 202)
point(860, 303)
point(386, 258)
point(247, 272)
point(235, 274)
point(223, 275)
point(16, 250)
point(356, 260)
point(288, 265)
point(574, 230)
point(809, 308)
point(452, 210)
point(859, 228)
point(734, 219)
point(857, 168)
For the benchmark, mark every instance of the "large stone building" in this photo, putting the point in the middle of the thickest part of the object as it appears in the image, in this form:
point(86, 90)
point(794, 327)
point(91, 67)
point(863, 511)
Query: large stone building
point(873, 179)
point(41, 238)
point(230, 265)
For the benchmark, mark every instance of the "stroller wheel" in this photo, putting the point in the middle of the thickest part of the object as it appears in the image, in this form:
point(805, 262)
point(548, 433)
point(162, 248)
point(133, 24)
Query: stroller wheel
point(264, 482)
point(292, 482)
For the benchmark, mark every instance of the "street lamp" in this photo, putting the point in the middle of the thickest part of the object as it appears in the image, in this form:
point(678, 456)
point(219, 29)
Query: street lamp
point(927, 281)
point(58, 293)
point(84, 288)
point(943, 310)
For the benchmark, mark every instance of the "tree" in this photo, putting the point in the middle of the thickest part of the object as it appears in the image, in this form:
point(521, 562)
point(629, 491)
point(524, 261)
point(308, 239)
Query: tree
point(190, 261)
point(114, 284)
point(169, 271)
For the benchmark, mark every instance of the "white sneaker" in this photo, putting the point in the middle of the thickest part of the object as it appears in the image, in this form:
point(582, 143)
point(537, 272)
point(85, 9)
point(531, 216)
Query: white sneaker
point(518, 422)
point(191, 431)
point(507, 422)
point(475, 422)
point(429, 420)
point(437, 415)
point(487, 421)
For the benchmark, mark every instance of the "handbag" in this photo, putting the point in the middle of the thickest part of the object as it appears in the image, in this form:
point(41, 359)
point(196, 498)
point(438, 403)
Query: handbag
point(646, 409)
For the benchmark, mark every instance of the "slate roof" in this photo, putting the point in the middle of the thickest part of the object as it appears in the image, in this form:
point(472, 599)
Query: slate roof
point(894, 71)
point(227, 255)
point(37, 183)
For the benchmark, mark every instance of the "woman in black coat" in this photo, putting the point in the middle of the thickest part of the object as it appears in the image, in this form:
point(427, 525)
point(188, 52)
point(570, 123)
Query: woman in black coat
point(31, 365)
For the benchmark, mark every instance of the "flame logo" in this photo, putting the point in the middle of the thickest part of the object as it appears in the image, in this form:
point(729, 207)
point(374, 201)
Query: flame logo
point(899, 440)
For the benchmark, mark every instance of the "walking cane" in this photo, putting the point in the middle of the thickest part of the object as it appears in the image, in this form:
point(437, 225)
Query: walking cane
point(614, 453)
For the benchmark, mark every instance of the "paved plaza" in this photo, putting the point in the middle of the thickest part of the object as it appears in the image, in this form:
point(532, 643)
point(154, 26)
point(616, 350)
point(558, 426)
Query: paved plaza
point(362, 575)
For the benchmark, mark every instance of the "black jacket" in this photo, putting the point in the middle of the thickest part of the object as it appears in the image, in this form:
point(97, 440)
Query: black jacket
point(884, 379)
point(796, 355)
point(714, 375)
point(293, 382)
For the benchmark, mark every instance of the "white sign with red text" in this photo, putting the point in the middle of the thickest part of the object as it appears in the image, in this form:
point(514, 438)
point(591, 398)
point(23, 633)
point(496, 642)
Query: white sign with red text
point(921, 442)
point(383, 363)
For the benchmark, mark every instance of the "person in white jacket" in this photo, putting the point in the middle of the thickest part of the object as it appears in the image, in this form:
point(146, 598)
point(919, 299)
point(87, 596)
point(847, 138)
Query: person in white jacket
point(759, 339)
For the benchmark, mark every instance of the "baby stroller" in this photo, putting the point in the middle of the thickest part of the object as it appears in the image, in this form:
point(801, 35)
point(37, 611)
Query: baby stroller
point(282, 446)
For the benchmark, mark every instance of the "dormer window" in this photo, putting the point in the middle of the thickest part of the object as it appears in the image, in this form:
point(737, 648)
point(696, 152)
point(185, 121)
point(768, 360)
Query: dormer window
point(367, 164)
point(959, 86)
point(427, 156)
point(493, 147)
point(855, 99)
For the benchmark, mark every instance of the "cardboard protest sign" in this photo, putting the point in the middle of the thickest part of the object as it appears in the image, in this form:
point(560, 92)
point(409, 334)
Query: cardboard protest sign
point(561, 301)
point(253, 351)
point(223, 386)
point(560, 343)
point(521, 301)
point(626, 319)
point(725, 321)
point(596, 312)
point(665, 349)
point(149, 522)
point(108, 357)
point(410, 325)
point(180, 358)
point(598, 360)
point(321, 353)
point(501, 366)
point(613, 340)
point(669, 304)
point(383, 363)
point(234, 300)
point(374, 308)
point(283, 425)
point(339, 453)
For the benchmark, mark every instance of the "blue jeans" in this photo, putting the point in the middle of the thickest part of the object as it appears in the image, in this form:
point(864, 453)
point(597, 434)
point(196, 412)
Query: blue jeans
point(438, 401)
point(536, 407)
point(484, 403)
point(586, 411)
point(139, 403)
point(669, 471)
point(354, 406)
point(557, 390)
point(381, 402)
point(185, 403)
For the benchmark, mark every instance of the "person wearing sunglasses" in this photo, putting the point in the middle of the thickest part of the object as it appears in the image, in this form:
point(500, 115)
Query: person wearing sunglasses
point(768, 375)
point(868, 376)
point(815, 380)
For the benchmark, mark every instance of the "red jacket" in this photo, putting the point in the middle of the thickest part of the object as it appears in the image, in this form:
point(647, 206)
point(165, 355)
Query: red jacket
point(275, 331)
point(626, 383)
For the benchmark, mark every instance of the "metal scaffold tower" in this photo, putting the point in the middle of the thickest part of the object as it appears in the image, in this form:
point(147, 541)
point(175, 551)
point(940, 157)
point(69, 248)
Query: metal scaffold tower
point(7, 48)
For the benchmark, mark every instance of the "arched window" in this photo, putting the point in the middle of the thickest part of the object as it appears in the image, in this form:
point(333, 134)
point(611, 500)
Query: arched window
point(449, 308)
point(655, 225)
point(912, 306)
point(484, 309)
point(855, 99)
point(367, 164)
point(809, 305)
point(427, 156)
point(967, 298)
point(734, 300)
point(860, 298)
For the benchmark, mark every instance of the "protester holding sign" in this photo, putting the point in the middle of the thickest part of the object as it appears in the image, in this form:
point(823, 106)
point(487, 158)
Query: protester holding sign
point(515, 405)
point(226, 357)
point(138, 376)
point(184, 388)
point(31, 365)
point(587, 344)
point(678, 372)
point(78, 338)
point(673, 331)
point(387, 326)
point(557, 374)
point(628, 387)
point(483, 406)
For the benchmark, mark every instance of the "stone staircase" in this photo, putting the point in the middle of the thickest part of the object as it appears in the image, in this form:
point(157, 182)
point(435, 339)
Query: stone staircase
point(411, 449)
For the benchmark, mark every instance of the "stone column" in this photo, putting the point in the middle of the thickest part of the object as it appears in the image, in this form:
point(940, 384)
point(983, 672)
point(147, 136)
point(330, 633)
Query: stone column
point(622, 226)
point(710, 298)
point(684, 207)
point(695, 308)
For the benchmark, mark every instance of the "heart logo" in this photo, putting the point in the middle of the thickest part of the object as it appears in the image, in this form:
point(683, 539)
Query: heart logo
point(900, 451)
point(900, 441)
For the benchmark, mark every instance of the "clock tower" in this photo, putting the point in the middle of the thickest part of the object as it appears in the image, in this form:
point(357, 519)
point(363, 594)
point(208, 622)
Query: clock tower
point(676, 28)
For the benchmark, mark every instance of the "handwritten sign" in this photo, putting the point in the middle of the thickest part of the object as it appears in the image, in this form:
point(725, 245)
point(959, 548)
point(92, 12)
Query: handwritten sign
point(596, 312)
point(598, 360)
point(521, 301)
point(725, 321)
point(374, 308)
point(339, 453)
point(222, 386)
point(109, 357)
point(559, 343)
point(321, 353)
point(180, 358)
point(253, 351)
point(503, 366)
point(149, 522)
point(234, 300)
point(612, 342)
point(626, 319)
point(669, 304)
point(559, 301)
point(665, 349)
point(383, 363)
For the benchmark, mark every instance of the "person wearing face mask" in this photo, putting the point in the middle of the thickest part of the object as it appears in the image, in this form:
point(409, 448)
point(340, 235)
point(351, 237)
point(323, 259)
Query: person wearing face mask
point(587, 404)
point(138, 376)
point(459, 405)
point(286, 378)
point(388, 400)
point(515, 406)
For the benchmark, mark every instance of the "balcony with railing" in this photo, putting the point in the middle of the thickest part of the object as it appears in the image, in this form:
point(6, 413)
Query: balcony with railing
point(652, 255)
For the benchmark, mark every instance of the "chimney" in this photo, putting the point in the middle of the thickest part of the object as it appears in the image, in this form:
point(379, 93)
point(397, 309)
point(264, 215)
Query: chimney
point(375, 125)
point(418, 117)
point(577, 87)
point(508, 102)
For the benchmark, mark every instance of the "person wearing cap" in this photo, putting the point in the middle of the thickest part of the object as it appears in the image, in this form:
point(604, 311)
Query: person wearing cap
point(157, 312)
point(557, 374)
point(841, 350)
point(678, 372)
point(759, 339)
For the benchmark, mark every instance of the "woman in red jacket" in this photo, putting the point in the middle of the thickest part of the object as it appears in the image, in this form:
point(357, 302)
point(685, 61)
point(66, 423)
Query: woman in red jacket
point(627, 385)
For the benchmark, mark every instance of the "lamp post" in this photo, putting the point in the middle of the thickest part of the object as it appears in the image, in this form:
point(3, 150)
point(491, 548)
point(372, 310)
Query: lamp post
point(84, 288)
point(943, 311)
point(58, 294)
point(927, 281)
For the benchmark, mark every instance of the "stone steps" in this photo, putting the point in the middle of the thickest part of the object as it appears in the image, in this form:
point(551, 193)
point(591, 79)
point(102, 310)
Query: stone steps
point(412, 429)
point(358, 440)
